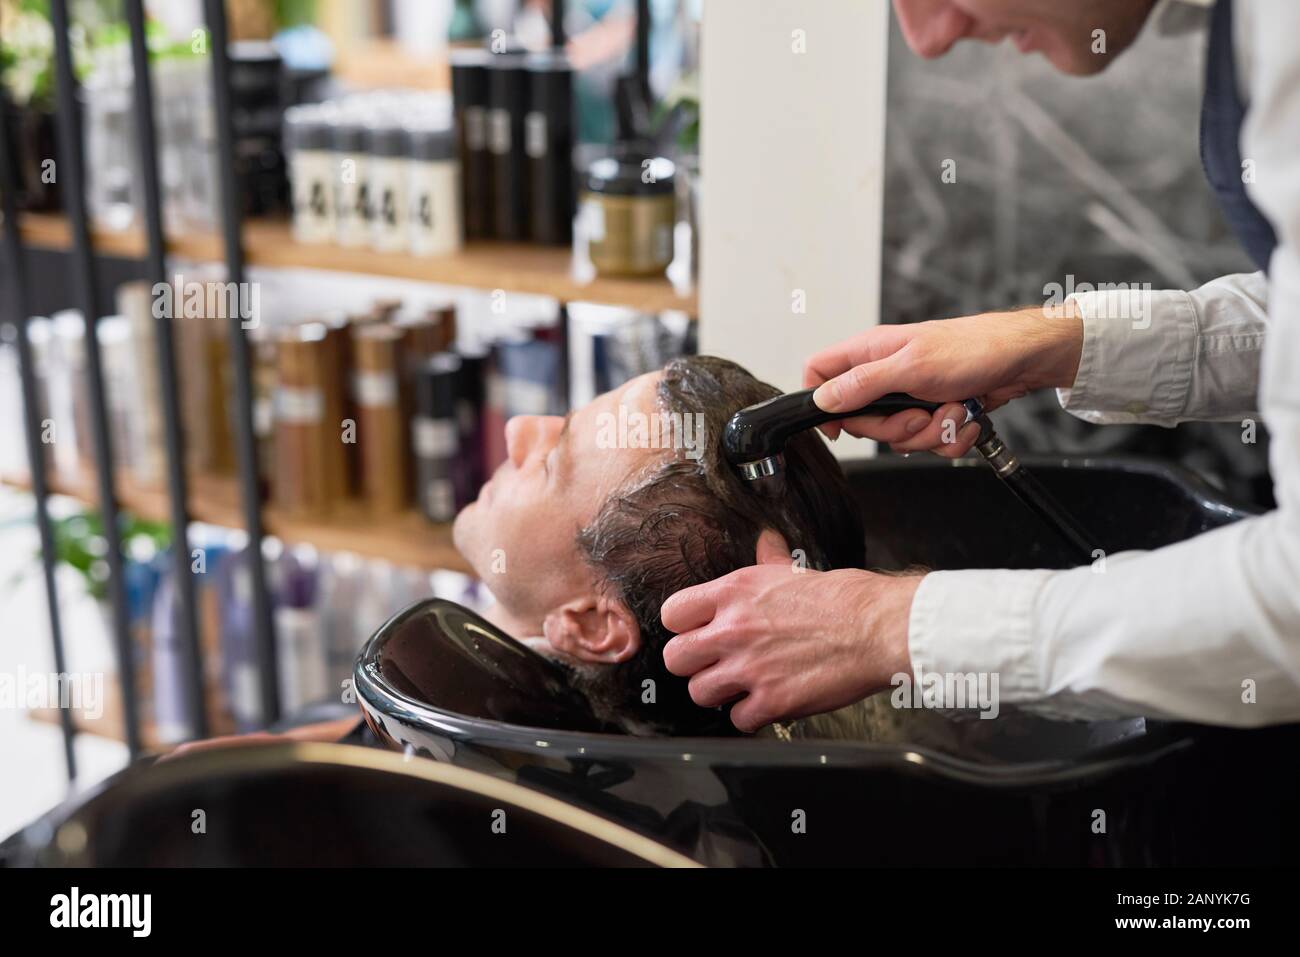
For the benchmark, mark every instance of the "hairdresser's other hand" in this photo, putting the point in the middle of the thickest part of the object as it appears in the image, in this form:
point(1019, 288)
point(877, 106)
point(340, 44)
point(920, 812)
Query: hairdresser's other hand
point(996, 356)
point(788, 641)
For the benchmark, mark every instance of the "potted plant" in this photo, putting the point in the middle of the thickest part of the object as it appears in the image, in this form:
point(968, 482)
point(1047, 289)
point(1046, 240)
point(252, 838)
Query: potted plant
point(79, 544)
point(27, 72)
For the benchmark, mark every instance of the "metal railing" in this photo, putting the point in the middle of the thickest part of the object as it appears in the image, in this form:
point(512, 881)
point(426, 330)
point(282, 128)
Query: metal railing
point(70, 170)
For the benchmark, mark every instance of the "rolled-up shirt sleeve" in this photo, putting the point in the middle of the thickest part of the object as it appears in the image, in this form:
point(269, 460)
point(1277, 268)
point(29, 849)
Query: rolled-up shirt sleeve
point(1208, 629)
point(1167, 356)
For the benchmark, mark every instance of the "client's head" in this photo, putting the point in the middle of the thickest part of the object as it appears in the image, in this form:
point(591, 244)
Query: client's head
point(597, 518)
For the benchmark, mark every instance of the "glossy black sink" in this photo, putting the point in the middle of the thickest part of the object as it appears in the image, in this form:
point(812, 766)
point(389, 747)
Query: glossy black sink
point(438, 681)
point(319, 805)
point(922, 511)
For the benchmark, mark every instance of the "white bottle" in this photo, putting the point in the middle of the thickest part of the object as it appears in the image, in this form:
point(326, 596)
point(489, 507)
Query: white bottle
point(435, 218)
point(387, 157)
point(352, 206)
point(311, 170)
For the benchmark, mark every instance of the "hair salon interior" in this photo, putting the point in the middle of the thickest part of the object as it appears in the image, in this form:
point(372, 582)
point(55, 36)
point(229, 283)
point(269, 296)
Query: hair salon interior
point(386, 382)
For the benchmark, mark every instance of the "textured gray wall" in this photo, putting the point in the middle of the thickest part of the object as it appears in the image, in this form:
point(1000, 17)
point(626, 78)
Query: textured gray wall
point(1098, 178)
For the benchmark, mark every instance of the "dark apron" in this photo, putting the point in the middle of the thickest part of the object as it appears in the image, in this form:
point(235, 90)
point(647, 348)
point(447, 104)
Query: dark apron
point(1222, 114)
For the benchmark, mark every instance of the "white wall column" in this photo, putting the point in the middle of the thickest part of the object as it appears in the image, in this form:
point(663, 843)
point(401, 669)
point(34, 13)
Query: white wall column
point(792, 161)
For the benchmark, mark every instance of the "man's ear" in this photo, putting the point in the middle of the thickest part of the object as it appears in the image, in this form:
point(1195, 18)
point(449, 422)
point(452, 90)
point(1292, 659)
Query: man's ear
point(772, 549)
point(597, 630)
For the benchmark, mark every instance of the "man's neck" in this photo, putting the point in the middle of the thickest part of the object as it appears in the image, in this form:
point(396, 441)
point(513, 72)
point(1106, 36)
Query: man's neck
point(531, 633)
point(515, 626)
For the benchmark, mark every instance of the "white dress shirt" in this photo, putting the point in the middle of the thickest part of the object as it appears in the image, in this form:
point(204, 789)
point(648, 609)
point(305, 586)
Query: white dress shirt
point(1208, 629)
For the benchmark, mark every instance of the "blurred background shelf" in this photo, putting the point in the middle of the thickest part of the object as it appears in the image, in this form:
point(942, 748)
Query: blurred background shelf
point(381, 63)
point(515, 267)
point(108, 724)
point(403, 539)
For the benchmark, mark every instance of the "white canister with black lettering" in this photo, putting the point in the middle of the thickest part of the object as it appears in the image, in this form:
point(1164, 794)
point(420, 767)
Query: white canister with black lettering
point(311, 170)
point(434, 171)
point(387, 142)
point(352, 205)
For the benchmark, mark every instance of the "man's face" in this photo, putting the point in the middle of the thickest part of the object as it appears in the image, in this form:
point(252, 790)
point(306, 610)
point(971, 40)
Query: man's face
point(519, 536)
point(1065, 32)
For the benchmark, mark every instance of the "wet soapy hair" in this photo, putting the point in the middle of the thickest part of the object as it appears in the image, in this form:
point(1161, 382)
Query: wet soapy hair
point(690, 519)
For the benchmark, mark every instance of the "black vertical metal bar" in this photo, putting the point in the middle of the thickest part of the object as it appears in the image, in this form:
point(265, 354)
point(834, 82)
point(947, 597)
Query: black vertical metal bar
point(215, 14)
point(643, 23)
point(156, 266)
point(558, 34)
point(71, 171)
point(15, 262)
point(566, 360)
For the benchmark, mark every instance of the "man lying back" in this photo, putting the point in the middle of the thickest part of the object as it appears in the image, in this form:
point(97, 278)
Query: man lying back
point(597, 518)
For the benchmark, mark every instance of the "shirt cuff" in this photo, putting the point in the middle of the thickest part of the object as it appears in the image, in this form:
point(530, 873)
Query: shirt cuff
point(1139, 351)
point(979, 621)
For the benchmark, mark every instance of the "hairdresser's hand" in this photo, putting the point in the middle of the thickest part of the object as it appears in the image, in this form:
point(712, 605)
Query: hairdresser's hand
point(997, 357)
point(788, 642)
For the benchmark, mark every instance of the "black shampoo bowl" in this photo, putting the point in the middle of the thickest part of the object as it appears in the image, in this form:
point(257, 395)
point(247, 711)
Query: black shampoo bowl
point(439, 681)
point(958, 515)
point(322, 805)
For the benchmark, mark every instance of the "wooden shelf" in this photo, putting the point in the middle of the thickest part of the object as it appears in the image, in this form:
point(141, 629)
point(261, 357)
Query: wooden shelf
point(111, 723)
point(379, 64)
point(404, 539)
point(108, 725)
point(517, 267)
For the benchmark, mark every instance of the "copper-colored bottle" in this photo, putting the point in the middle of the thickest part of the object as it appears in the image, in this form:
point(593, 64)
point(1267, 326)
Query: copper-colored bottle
point(381, 429)
point(202, 354)
point(342, 466)
point(425, 336)
point(263, 349)
point(304, 437)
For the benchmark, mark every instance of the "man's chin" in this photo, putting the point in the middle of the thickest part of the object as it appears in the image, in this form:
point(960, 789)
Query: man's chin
point(462, 536)
point(1072, 65)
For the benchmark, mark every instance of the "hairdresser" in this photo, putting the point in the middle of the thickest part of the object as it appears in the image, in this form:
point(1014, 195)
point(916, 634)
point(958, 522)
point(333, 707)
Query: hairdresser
point(1206, 630)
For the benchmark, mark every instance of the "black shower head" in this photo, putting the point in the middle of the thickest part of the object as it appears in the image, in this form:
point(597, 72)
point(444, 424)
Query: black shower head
point(754, 440)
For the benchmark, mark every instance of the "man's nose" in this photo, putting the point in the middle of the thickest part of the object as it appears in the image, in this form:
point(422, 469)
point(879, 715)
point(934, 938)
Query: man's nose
point(529, 434)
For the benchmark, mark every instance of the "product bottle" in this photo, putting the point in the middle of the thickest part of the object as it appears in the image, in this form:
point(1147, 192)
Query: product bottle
point(351, 179)
point(507, 107)
point(301, 483)
point(548, 145)
point(435, 439)
point(469, 83)
point(338, 596)
point(389, 182)
point(311, 170)
point(381, 432)
point(238, 654)
point(435, 223)
point(300, 650)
